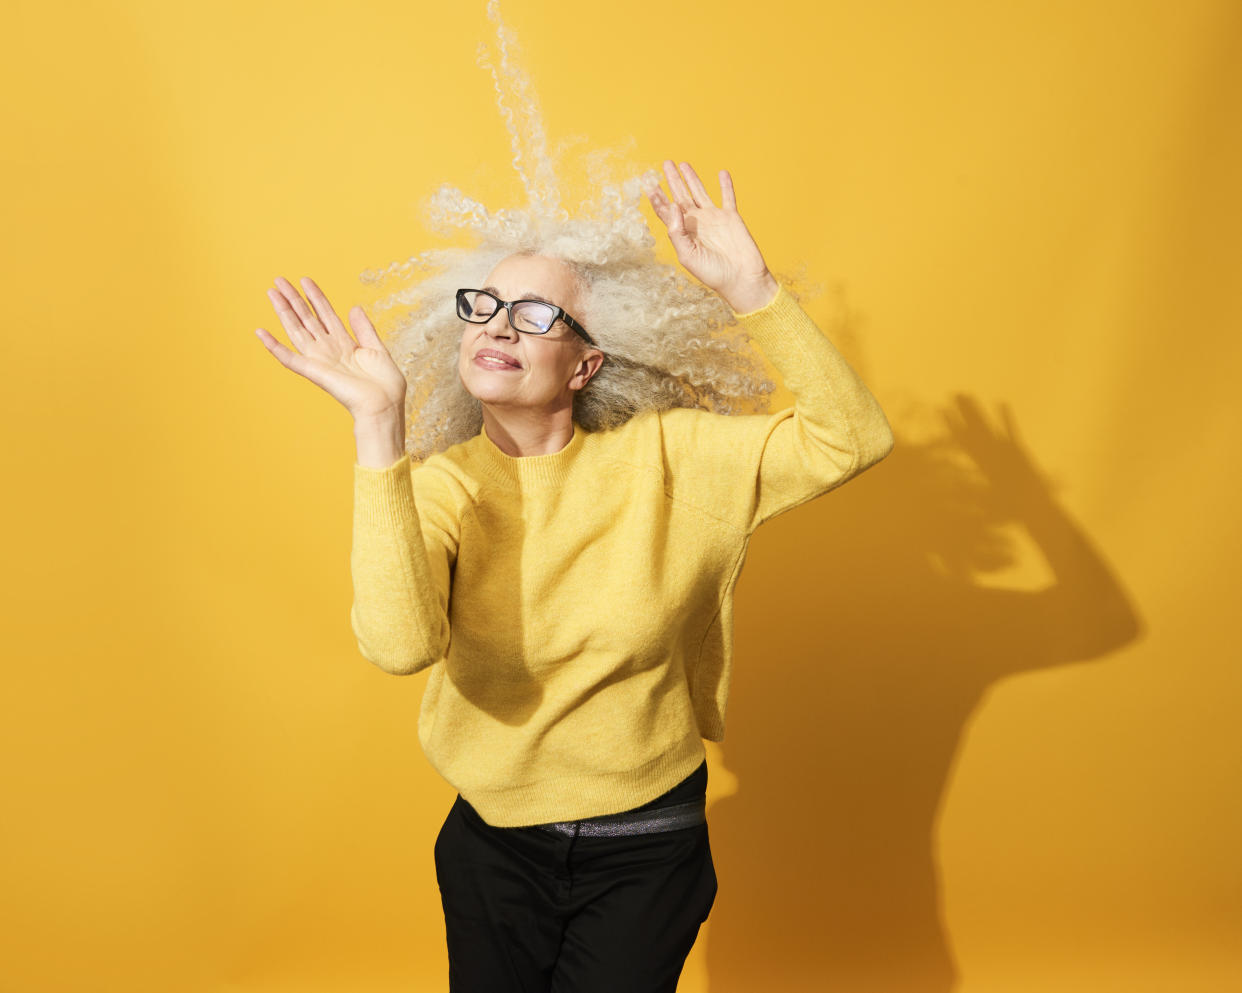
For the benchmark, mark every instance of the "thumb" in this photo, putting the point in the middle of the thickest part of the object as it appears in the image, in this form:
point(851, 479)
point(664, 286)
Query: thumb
point(676, 221)
point(669, 213)
point(682, 242)
point(364, 330)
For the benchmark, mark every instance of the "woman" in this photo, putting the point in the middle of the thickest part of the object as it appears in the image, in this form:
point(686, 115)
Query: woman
point(571, 590)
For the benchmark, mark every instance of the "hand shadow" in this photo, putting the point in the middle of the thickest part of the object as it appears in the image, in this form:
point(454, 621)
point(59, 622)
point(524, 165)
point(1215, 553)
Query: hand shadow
point(850, 692)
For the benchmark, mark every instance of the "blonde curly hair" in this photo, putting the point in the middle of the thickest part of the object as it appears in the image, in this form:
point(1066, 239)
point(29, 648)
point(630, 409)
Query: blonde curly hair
point(668, 340)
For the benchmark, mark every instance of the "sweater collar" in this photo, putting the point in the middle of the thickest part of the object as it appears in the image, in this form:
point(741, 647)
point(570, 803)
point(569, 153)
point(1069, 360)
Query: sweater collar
point(522, 471)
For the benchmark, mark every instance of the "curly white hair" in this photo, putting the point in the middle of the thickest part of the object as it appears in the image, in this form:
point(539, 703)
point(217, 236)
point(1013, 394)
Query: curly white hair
point(668, 340)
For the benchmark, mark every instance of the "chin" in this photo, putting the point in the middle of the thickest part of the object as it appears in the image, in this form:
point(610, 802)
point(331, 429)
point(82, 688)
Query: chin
point(484, 391)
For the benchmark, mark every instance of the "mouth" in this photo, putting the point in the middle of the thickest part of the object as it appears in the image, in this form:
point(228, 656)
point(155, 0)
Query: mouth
point(489, 358)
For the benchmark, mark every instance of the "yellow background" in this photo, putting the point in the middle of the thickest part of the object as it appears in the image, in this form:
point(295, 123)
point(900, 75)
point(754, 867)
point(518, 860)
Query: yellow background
point(983, 734)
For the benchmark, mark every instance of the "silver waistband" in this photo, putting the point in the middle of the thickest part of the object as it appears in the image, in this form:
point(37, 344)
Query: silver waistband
point(681, 815)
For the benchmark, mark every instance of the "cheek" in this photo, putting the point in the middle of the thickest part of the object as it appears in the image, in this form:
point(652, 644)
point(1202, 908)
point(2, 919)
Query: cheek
point(546, 370)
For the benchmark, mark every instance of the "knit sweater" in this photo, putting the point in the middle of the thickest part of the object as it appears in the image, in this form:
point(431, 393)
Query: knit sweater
point(575, 608)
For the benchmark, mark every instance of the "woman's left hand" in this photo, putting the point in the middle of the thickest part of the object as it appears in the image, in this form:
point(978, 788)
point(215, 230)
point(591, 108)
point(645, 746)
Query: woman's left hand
point(713, 242)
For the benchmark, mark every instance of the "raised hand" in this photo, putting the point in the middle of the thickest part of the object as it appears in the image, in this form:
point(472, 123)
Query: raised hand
point(712, 242)
point(361, 375)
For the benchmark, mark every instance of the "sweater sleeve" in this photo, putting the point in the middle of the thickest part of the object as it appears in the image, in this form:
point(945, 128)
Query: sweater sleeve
point(834, 431)
point(405, 536)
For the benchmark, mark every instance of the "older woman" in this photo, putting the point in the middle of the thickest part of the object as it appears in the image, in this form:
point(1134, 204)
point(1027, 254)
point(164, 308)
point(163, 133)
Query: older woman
point(569, 589)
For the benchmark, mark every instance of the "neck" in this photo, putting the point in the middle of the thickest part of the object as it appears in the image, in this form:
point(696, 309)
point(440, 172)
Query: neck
point(526, 432)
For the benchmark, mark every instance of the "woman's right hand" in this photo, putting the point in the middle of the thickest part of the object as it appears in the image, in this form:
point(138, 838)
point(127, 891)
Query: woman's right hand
point(361, 375)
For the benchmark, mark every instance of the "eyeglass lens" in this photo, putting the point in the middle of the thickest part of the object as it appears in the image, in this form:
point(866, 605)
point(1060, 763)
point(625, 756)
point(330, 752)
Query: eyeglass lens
point(529, 315)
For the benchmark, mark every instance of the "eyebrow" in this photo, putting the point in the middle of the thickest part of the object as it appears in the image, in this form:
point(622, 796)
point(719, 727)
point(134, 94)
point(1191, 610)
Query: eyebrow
point(525, 296)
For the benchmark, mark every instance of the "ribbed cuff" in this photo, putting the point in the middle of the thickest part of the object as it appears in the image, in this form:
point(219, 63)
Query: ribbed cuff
point(782, 320)
point(384, 496)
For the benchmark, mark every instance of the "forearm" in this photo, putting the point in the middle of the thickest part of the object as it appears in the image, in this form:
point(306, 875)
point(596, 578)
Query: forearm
point(400, 610)
point(835, 413)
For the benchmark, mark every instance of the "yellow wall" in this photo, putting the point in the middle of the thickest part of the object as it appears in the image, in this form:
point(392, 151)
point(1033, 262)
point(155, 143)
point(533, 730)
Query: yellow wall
point(982, 738)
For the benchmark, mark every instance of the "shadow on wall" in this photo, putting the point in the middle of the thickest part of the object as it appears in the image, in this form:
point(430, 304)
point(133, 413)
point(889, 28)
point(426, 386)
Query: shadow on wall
point(850, 693)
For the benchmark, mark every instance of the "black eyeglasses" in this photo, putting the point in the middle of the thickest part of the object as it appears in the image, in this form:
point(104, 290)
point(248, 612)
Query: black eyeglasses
point(527, 316)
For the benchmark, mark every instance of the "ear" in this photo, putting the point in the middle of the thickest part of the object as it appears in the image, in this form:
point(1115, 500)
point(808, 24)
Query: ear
point(588, 366)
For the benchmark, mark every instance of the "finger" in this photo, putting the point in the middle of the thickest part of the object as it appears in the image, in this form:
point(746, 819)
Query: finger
point(323, 309)
point(672, 216)
point(677, 185)
point(307, 316)
point(364, 329)
point(659, 204)
point(701, 197)
point(289, 320)
point(676, 222)
point(728, 198)
point(284, 355)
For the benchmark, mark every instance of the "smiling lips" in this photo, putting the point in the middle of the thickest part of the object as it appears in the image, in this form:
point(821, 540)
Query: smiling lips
point(489, 358)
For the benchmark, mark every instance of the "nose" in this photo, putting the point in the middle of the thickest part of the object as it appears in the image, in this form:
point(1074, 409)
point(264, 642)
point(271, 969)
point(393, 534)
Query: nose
point(498, 326)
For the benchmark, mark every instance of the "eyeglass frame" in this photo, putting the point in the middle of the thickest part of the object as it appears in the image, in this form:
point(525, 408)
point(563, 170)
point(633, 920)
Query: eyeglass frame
point(559, 314)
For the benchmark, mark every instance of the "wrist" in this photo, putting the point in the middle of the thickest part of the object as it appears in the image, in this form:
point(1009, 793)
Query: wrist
point(752, 294)
point(386, 422)
point(380, 440)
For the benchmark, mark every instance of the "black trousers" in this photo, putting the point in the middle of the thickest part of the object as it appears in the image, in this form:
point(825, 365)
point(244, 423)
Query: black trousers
point(530, 911)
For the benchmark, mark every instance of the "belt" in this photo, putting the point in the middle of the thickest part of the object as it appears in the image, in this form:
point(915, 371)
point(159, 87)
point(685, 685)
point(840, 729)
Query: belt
point(679, 815)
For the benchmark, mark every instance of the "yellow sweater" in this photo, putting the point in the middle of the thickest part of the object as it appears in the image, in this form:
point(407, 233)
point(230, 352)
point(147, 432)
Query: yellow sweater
point(575, 609)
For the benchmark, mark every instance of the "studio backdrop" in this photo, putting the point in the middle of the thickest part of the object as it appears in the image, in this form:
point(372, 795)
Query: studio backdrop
point(982, 733)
